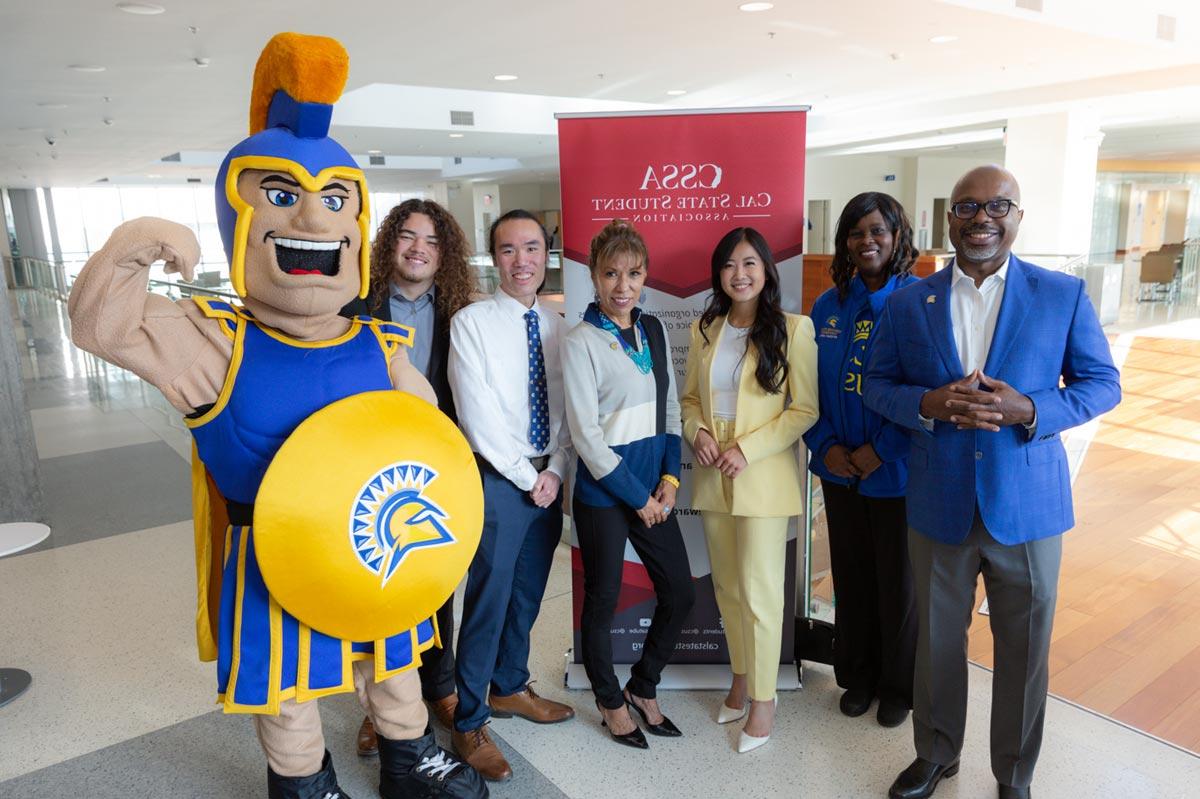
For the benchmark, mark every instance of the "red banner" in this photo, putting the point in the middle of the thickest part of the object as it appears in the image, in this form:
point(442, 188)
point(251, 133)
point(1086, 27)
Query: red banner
point(684, 180)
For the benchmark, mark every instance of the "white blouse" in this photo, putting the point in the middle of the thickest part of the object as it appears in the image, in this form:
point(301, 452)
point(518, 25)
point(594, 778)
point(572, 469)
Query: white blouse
point(727, 370)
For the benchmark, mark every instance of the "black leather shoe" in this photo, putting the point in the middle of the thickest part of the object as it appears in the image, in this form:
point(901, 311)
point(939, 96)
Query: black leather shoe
point(666, 728)
point(635, 739)
point(322, 785)
point(856, 701)
point(920, 779)
point(891, 714)
point(420, 769)
point(1009, 792)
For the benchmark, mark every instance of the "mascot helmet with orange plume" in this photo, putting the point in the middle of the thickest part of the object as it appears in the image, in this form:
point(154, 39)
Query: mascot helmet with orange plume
point(296, 81)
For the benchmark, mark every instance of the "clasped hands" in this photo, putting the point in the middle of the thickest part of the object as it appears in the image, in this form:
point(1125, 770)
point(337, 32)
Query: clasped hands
point(658, 507)
point(978, 402)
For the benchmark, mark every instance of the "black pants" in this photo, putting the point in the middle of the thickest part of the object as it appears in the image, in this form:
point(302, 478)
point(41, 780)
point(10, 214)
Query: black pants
point(602, 533)
point(437, 664)
point(875, 615)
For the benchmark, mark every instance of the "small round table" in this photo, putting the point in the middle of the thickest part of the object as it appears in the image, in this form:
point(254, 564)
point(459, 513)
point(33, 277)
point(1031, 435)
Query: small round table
point(15, 537)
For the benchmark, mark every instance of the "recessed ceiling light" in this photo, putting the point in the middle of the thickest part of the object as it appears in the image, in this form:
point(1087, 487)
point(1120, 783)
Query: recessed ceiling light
point(55, 106)
point(756, 6)
point(87, 67)
point(676, 92)
point(154, 176)
point(504, 77)
point(374, 152)
point(943, 39)
point(143, 9)
point(456, 135)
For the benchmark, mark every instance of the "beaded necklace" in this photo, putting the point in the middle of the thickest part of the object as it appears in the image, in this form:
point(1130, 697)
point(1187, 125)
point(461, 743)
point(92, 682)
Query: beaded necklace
point(641, 358)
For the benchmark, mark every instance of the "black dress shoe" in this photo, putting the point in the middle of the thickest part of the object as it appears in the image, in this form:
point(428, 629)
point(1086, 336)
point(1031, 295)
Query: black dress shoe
point(856, 701)
point(891, 714)
point(1009, 792)
point(920, 779)
point(666, 728)
point(635, 739)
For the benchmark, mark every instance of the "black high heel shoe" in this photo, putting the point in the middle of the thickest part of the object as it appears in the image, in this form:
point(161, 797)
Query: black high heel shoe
point(635, 739)
point(666, 728)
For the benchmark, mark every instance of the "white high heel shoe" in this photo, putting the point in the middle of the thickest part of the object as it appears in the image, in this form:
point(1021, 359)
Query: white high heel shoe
point(748, 743)
point(727, 714)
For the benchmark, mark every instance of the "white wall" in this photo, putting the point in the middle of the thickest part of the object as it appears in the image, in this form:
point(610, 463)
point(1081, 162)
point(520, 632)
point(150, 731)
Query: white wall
point(837, 178)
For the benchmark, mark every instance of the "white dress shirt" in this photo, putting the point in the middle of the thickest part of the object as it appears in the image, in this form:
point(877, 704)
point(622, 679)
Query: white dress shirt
point(973, 314)
point(489, 374)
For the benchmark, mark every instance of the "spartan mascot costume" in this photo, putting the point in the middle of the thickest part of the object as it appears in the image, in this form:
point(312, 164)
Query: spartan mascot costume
point(334, 513)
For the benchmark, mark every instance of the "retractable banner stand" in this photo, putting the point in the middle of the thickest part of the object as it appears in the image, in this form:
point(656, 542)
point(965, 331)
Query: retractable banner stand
point(684, 179)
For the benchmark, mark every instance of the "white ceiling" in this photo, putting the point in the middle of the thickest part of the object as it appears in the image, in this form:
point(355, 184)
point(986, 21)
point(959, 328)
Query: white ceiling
point(867, 68)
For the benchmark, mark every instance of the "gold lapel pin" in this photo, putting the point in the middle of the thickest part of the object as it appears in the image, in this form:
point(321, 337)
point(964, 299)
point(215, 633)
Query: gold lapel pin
point(931, 299)
point(614, 345)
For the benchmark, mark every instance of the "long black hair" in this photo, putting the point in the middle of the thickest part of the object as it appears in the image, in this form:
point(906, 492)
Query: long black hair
point(768, 334)
point(904, 254)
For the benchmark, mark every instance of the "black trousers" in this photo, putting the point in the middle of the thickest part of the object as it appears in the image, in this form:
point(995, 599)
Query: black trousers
point(875, 615)
point(437, 664)
point(602, 533)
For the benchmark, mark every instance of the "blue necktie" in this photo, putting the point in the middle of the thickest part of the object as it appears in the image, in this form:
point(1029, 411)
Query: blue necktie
point(539, 412)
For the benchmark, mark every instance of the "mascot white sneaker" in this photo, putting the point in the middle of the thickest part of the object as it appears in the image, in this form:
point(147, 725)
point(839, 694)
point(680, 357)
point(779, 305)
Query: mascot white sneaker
point(334, 513)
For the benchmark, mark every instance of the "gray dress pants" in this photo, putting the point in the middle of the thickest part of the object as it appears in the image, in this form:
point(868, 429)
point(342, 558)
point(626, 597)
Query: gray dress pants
point(1022, 586)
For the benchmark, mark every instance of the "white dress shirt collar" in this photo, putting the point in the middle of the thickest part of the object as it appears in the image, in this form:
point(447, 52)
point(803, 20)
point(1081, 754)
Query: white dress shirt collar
point(512, 305)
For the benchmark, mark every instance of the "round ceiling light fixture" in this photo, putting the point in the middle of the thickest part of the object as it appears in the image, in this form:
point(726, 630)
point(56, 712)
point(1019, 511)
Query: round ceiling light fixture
point(456, 135)
point(944, 38)
point(141, 9)
point(756, 7)
point(676, 92)
point(504, 77)
point(87, 68)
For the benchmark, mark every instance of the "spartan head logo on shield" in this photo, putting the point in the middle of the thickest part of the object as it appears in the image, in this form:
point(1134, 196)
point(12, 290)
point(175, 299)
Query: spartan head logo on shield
point(392, 517)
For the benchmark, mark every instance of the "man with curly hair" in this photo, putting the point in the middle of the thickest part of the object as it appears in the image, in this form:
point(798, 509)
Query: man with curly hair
point(420, 278)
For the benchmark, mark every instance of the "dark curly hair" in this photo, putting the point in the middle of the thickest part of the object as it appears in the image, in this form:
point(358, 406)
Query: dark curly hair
point(455, 279)
point(768, 334)
point(904, 254)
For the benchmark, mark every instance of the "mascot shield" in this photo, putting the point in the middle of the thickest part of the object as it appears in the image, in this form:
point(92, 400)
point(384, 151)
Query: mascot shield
point(392, 514)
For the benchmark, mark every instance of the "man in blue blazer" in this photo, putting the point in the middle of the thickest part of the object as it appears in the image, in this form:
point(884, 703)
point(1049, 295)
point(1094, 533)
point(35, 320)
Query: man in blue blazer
point(986, 363)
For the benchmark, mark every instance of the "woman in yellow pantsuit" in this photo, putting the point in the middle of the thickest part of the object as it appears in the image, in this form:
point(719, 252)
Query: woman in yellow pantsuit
point(751, 392)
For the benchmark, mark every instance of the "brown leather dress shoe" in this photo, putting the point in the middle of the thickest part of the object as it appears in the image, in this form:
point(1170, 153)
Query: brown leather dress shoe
point(443, 710)
point(368, 744)
point(530, 706)
point(481, 754)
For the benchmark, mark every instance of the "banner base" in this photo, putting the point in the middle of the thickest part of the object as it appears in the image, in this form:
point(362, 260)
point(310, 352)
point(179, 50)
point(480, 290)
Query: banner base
point(686, 676)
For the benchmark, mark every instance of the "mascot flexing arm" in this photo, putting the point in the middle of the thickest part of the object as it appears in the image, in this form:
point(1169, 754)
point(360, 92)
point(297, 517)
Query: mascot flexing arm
point(348, 511)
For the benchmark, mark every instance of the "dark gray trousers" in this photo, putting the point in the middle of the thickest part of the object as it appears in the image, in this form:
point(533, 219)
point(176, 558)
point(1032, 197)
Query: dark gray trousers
point(1022, 586)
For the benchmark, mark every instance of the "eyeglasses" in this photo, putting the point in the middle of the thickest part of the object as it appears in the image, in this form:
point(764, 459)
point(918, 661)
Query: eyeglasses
point(996, 209)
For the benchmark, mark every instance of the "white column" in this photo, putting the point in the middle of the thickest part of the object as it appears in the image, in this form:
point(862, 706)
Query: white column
point(1053, 157)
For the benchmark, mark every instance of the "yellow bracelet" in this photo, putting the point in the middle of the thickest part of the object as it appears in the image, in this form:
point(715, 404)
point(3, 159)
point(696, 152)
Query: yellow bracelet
point(670, 478)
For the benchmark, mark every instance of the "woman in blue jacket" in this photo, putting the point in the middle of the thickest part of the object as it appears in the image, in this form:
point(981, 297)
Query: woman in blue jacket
point(860, 459)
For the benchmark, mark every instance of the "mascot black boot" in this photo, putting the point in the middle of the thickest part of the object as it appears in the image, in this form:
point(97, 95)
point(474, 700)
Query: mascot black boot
point(322, 785)
point(421, 769)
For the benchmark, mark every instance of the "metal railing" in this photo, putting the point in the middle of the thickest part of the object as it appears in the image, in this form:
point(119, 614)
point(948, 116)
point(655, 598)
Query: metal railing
point(34, 273)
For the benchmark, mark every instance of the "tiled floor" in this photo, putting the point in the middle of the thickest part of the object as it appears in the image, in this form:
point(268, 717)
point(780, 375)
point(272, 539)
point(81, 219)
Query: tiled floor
point(120, 707)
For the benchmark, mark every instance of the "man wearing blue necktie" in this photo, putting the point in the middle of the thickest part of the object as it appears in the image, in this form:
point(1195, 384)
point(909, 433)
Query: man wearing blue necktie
point(986, 363)
point(508, 387)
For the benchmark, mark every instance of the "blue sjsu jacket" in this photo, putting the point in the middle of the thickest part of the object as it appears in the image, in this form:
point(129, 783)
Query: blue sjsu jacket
point(836, 345)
